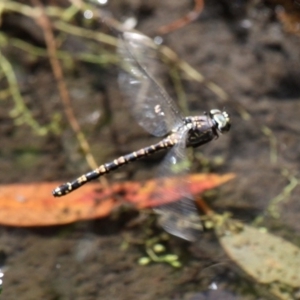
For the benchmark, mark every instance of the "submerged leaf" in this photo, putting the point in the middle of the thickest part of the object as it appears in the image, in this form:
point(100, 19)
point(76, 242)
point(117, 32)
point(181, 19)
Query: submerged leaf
point(265, 257)
point(33, 204)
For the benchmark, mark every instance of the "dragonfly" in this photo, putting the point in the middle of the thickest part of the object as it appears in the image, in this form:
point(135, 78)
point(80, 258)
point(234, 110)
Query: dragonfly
point(157, 113)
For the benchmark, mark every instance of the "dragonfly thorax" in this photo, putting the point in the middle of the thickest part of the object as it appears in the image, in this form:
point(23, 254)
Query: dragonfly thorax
point(205, 128)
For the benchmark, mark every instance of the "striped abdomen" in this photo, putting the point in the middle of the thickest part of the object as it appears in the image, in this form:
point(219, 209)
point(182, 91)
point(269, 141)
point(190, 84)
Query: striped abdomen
point(115, 164)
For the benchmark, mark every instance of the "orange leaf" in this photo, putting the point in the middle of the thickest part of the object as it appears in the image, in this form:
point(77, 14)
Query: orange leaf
point(145, 195)
point(34, 205)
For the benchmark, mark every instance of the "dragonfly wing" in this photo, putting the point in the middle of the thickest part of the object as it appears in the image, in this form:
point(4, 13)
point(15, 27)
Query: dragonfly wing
point(150, 104)
point(180, 218)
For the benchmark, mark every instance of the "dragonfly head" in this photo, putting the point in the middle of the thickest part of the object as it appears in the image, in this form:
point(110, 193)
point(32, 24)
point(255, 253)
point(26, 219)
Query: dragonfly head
point(221, 119)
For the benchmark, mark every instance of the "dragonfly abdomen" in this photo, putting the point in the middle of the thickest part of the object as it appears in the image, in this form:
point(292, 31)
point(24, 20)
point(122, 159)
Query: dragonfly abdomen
point(110, 166)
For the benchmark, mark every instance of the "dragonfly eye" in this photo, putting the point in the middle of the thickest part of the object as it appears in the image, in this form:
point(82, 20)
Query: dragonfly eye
point(221, 119)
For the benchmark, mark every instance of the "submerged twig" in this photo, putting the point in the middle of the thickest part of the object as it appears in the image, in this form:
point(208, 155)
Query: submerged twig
point(185, 20)
point(44, 23)
point(273, 143)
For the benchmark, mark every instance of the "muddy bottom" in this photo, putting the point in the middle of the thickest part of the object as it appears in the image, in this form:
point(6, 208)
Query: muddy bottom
point(241, 47)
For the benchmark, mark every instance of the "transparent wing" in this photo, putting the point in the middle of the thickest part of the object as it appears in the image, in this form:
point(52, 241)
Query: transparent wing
point(150, 104)
point(179, 218)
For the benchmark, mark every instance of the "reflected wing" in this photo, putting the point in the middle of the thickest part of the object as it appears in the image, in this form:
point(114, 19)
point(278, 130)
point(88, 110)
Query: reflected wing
point(179, 218)
point(150, 104)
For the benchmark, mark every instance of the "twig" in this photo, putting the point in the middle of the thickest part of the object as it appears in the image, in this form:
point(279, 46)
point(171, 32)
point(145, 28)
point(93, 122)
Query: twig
point(101, 58)
point(185, 20)
point(85, 33)
point(45, 24)
point(273, 143)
